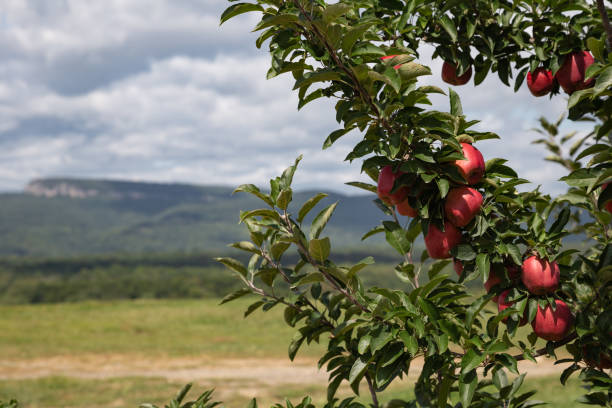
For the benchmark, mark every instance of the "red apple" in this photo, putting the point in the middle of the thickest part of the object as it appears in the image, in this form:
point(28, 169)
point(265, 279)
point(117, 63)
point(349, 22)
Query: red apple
point(571, 74)
point(404, 208)
point(458, 266)
point(386, 180)
point(473, 167)
point(493, 280)
point(439, 243)
point(605, 361)
point(461, 206)
point(449, 74)
point(540, 276)
point(609, 203)
point(553, 325)
point(503, 305)
point(540, 82)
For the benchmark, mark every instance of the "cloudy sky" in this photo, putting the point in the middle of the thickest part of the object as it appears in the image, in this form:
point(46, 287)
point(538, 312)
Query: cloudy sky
point(155, 90)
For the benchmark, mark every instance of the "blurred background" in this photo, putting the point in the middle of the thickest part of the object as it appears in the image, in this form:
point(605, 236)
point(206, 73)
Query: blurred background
point(124, 127)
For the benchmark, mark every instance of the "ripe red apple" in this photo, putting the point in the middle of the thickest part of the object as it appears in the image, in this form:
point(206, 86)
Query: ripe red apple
point(439, 243)
point(461, 206)
point(458, 266)
point(449, 74)
point(540, 276)
point(493, 280)
point(386, 180)
point(404, 208)
point(609, 203)
point(605, 361)
point(540, 82)
point(503, 305)
point(571, 74)
point(473, 167)
point(553, 325)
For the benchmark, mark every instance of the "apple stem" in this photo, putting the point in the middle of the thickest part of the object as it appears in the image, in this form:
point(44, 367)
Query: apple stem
point(606, 22)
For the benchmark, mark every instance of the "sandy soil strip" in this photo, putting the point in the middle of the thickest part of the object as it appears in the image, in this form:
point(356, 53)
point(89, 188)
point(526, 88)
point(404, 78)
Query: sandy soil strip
point(202, 368)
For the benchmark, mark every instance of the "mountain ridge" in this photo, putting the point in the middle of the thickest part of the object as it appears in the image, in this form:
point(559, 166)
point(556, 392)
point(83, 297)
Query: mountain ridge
point(73, 217)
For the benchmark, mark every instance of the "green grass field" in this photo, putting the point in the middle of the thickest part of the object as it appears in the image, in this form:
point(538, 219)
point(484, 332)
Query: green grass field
point(150, 331)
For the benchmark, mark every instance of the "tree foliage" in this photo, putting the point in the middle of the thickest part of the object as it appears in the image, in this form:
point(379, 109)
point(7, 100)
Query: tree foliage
point(364, 54)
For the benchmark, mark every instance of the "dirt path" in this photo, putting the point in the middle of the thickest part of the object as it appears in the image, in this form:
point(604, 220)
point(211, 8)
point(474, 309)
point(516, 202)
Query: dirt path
point(267, 371)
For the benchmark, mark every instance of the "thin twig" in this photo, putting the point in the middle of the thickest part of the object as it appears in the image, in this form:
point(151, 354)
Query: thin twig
point(330, 279)
point(365, 96)
point(372, 391)
point(606, 22)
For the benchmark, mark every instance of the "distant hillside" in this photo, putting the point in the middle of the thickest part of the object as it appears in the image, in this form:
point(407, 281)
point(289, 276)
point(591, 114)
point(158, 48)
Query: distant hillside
point(67, 217)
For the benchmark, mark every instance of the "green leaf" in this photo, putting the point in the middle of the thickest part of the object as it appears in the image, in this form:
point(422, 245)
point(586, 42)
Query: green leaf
point(471, 360)
point(578, 96)
point(310, 278)
point(319, 249)
point(364, 186)
point(233, 265)
point(333, 11)
point(560, 222)
point(373, 231)
point(359, 266)
point(235, 295)
point(410, 342)
point(354, 34)
point(455, 103)
point(309, 205)
point(449, 27)
point(396, 237)
point(596, 148)
point(335, 135)
point(252, 189)
point(276, 20)
point(443, 186)
point(464, 252)
point(515, 253)
point(246, 246)
point(604, 81)
point(467, 387)
point(310, 78)
point(295, 344)
point(484, 265)
point(239, 8)
point(320, 221)
point(358, 370)
point(284, 198)
point(389, 77)
point(260, 213)
point(413, 70)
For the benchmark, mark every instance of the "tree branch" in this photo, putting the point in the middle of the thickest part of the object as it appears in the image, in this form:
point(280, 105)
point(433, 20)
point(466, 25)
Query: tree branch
point(372, 391)
point(543, 350)
point(365, 96)
point(606, 22)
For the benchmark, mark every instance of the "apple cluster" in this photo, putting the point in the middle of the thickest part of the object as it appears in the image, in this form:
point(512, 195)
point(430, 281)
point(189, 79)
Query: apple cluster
point(461, 205)
point(570, 76)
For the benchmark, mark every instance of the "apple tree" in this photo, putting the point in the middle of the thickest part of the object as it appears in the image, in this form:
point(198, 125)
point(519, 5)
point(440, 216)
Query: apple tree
point(431, 180)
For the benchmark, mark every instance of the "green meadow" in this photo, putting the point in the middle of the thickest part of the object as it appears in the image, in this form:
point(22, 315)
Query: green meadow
point(175, 334)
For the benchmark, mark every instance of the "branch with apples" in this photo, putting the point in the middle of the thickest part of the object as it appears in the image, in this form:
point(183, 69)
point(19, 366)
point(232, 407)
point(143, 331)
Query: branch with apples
point(429, 179)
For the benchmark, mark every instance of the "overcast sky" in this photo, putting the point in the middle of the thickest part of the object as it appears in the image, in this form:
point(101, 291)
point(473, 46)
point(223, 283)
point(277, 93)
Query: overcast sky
point(155, 90)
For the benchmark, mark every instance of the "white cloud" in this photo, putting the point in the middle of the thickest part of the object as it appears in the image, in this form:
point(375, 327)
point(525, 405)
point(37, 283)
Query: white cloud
point(155, 90)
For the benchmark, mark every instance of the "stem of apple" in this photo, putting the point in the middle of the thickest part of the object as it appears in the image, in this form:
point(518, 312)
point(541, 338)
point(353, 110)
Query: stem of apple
point(606, 22)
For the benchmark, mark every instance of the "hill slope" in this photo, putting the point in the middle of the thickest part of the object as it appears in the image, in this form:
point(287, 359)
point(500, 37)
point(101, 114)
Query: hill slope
point(67, 217)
